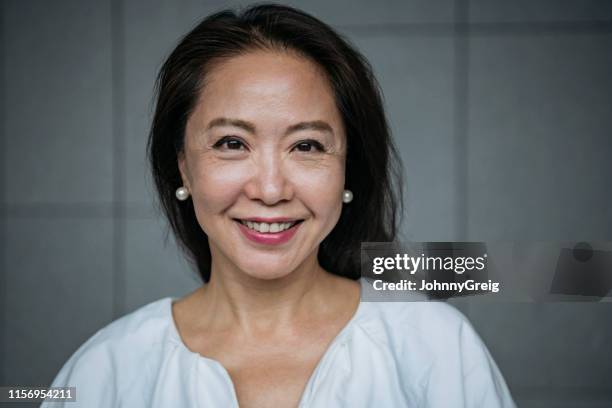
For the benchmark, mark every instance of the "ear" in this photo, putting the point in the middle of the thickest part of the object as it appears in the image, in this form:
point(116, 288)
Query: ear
point(182, 164)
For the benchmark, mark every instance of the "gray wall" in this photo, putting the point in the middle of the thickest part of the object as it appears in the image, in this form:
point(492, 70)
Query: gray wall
point(502, 111)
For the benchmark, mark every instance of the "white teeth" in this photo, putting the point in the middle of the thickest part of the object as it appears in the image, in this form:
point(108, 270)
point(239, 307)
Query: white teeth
point(265, 227)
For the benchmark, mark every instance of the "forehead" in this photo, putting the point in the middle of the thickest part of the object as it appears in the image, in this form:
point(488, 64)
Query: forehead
point(267, 85)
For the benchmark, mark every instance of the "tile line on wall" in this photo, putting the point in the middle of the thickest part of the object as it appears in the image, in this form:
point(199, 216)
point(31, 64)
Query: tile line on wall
point(460, 117)
point(539, 27)
point(118, 141)
point(481, 28)
point(3, 216)
point(460, 124)
point(59, 210)
point(83, 210)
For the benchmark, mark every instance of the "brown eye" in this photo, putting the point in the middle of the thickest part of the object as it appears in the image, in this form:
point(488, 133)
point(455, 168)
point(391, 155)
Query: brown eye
point(231, 143)
point(304, 147)
point(308, 145)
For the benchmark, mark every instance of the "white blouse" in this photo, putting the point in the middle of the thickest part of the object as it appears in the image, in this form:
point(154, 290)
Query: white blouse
point(390, 354)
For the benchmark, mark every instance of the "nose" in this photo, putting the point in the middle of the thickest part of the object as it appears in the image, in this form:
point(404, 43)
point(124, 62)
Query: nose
point(269, 182)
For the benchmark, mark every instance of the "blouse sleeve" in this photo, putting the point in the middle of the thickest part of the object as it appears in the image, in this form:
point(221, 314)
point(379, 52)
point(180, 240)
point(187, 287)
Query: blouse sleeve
point(90, 369)
point(463, 373)
point(484, 385)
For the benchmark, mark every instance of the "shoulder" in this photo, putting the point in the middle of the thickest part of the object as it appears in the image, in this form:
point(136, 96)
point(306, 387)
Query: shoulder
point(137, 331)
point(438, 330)
point(412, 315)
point(433, 341)
point(433, 327)
point(137, 326)
point(426, 325)
point(116, 354)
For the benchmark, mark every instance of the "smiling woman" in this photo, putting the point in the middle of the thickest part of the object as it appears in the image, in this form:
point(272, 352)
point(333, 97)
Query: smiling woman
point(273, 161)
point(264, 144)
point(239, 84)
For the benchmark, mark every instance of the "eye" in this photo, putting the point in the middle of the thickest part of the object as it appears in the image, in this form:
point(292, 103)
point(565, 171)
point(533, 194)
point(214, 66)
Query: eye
point(230, 142)
point(308, 145)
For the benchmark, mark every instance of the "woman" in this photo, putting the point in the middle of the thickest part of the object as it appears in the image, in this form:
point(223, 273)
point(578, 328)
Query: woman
point(272, 159)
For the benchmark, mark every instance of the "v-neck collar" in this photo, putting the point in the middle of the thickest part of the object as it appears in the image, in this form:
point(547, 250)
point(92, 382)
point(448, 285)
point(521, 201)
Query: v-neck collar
point(320, 370)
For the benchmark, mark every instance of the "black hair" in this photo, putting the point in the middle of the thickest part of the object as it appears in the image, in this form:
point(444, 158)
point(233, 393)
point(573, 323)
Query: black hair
point(373, 167)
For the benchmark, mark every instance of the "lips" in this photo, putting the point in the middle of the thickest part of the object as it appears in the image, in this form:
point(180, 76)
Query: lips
point(269, 220)
point(273, 233)
point(267, 227)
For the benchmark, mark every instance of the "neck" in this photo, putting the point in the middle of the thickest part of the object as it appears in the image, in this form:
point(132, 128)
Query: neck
point(252, 305)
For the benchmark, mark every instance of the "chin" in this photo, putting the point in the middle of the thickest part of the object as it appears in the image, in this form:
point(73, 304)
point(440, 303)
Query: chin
point(266, 270)
point(268, 274)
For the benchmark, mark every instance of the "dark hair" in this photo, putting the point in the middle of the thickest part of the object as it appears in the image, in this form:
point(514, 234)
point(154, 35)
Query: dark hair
point(373, 167)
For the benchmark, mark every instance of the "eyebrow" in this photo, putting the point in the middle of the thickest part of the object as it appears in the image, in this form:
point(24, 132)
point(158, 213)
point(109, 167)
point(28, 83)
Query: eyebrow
point(319, 125)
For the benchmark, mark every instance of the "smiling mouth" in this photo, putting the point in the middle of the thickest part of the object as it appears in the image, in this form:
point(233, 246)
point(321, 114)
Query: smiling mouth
point(268, 228)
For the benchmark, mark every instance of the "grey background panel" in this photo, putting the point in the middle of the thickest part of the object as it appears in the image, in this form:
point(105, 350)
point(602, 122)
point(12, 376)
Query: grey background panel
point(523, 11)
point(501, 111)
point(550, 352)
point(58, 102)
point(58, 292)
point(540, 137)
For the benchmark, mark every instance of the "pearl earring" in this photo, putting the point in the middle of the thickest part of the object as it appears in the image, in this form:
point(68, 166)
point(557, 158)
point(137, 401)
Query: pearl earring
point(182, 193)
point(347, 196)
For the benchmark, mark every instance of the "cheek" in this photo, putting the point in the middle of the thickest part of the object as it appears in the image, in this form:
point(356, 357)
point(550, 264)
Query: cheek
point(320, 188)
point(216, 186)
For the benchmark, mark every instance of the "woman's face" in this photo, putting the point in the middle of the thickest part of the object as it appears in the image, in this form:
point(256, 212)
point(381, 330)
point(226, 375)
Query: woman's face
point(265, 142)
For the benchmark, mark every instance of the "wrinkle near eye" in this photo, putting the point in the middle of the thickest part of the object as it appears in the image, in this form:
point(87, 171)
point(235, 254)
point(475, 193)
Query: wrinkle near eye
point(334, 149)
point(328, 142)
